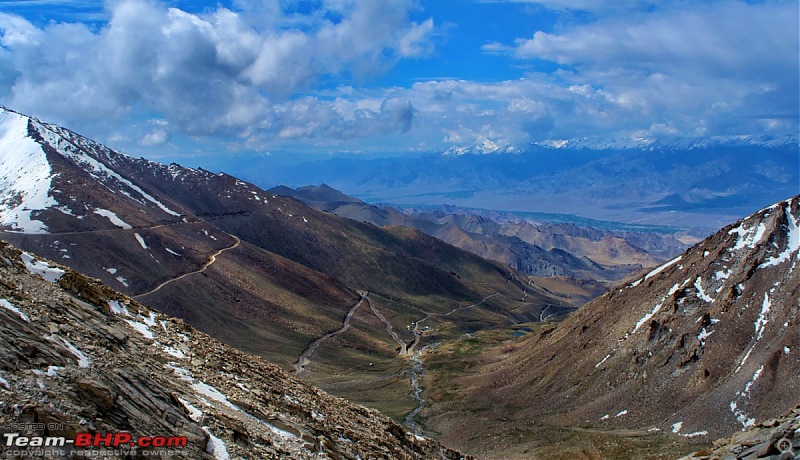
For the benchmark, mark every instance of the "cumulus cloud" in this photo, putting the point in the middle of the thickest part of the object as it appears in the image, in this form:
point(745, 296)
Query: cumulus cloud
point(156, 137)
point(702, 68)
point(707, 39)
point(212, 73)
point(259, 75)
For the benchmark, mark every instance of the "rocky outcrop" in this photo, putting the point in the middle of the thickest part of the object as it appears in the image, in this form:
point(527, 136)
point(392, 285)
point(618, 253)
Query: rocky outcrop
point(78, 357)
point(777, 438)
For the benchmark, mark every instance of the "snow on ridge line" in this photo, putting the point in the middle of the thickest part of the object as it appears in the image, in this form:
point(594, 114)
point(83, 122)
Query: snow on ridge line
point(25, 175)
point(54, 138)
point(656, 271)
point(113, 218)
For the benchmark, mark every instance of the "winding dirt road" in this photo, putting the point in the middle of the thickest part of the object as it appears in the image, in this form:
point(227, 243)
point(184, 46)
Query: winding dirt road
point(208, 263)
point(305, 357)
point(389, 329)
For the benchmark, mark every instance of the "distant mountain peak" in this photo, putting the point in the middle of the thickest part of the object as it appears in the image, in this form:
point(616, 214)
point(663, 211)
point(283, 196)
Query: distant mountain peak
point(483, 147)
point(486, 146)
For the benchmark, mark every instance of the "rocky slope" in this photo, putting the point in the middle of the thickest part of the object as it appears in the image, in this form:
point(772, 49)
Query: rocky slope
point(79, 357)
point(774, 438)
point(702, 346)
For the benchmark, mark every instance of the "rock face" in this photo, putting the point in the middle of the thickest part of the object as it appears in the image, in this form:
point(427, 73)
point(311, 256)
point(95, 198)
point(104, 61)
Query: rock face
point(79, 357)
point(774, 438)
point(700, 347)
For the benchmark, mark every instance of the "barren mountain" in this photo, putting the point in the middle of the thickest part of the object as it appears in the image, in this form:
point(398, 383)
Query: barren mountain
point(263, 273)
point(80, 359)
point(548, 249)
point(697, 348)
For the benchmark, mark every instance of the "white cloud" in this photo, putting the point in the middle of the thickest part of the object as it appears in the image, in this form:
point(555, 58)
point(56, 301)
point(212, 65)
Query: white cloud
point(251, 76)
point(724, 38)
point(718, 68)
point(155, 137)
point(210, 73)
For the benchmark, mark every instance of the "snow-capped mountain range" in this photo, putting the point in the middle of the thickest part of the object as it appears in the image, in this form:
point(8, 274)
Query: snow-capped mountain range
point(487, 146)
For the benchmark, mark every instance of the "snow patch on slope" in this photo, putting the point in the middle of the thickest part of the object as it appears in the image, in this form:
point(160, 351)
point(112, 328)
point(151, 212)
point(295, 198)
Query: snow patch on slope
point(118, 309)
point(759, 325)
point(793, 244)
point(140, 328)
point(658, 306)
point(140, 240)
point(83, 360)
point(113, 218)
point(216, 446)
point(701, 294)
point(748, 237)
point(11, 307)
point(25, 176)
point(42, 269)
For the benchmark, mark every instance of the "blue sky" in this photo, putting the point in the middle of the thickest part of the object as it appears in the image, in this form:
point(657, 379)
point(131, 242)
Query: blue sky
point(177, 79)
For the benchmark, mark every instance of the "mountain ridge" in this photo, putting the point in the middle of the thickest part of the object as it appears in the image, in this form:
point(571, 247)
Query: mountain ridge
point(264, 273)
point(697, 348)
point(546, 249)
point(487, 147)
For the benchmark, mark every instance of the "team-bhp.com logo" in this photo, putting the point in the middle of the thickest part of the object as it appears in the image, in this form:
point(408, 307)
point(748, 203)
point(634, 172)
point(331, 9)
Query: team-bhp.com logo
point(120, 443)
